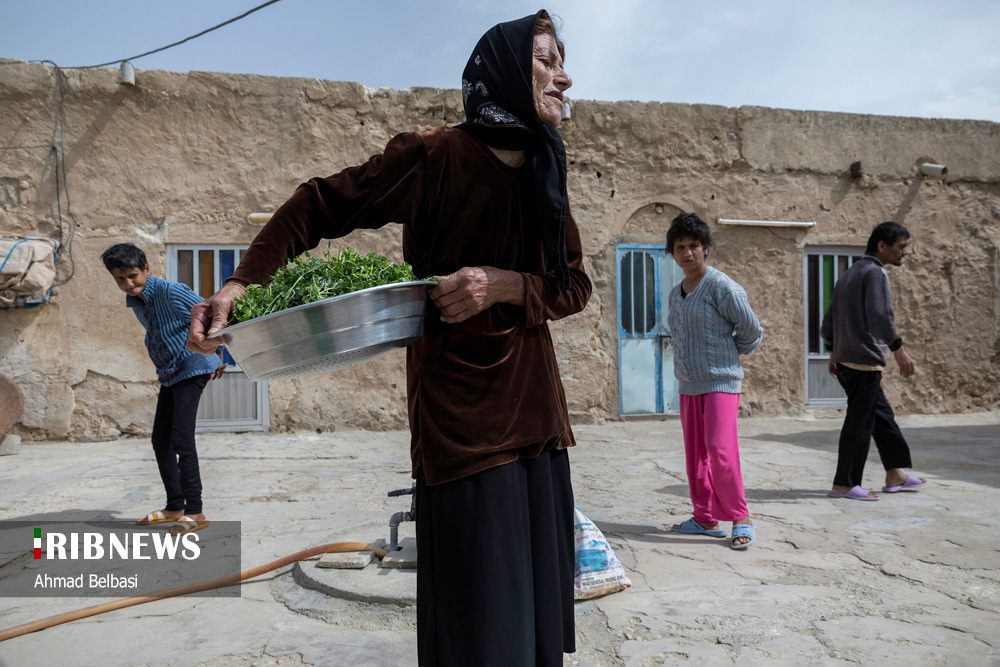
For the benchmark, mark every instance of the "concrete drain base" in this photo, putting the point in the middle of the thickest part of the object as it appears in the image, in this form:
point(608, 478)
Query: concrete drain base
point(372, 583)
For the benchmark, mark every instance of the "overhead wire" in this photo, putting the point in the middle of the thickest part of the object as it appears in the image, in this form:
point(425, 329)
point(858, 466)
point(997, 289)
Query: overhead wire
point(60, 151)
point(186, 39)
point(60, 172)
point(55, 151)
point(61, 169)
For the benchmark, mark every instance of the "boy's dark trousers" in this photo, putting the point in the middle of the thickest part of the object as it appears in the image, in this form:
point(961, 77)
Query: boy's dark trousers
point(868, 414)
point(173, 443)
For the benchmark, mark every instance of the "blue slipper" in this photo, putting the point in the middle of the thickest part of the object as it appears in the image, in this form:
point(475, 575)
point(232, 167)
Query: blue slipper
point(743, 530)
point(692, 527)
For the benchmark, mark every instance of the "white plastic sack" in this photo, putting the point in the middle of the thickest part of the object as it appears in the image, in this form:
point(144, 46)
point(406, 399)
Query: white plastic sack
point(598, 571)
point(27, 270)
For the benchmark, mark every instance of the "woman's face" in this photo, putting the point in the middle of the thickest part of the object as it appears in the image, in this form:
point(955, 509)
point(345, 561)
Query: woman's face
point(690, 254)
point(548, 79)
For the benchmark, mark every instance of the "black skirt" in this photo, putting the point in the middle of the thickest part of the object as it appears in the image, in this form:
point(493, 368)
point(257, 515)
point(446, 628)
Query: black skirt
point(495, 566)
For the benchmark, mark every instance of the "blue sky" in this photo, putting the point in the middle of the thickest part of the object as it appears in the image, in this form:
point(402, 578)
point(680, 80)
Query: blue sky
point(915, 58)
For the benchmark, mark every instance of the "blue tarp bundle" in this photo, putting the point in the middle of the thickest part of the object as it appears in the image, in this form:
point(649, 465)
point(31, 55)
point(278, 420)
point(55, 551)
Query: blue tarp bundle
point(27, 270)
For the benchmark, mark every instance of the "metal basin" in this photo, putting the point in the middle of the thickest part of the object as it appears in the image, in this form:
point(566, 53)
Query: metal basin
point(331, 334)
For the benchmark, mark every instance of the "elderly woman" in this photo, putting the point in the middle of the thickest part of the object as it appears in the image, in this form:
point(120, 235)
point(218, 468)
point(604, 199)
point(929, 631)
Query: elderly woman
point(484, 205)
point(712, 325)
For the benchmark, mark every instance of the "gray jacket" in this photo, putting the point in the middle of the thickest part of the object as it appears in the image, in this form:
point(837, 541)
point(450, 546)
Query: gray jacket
point(860, 322)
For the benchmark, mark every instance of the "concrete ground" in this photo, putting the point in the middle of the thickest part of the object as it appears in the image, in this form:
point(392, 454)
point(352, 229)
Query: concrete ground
point(910, 580)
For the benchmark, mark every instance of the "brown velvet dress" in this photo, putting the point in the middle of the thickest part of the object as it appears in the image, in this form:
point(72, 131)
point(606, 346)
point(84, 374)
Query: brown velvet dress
point(486, 391)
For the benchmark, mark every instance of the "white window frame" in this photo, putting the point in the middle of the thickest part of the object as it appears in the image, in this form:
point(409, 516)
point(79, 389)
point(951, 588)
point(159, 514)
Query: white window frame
point(263, 421)
point(820, 251)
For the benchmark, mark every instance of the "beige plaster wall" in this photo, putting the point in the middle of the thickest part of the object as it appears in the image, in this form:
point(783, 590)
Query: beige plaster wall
point(182, 158)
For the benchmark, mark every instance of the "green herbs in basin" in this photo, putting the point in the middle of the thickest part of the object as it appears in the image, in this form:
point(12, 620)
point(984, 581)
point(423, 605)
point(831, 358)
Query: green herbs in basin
point(308, 278)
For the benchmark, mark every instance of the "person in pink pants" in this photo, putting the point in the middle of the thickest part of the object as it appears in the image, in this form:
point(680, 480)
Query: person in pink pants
point(711, 324)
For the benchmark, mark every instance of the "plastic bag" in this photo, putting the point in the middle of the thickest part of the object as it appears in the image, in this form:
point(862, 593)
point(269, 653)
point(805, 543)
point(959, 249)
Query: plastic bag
point(598, 571)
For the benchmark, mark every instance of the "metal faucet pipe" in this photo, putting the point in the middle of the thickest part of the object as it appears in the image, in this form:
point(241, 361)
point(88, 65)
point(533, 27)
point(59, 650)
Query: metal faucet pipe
point(394, 521)
point(400, 517)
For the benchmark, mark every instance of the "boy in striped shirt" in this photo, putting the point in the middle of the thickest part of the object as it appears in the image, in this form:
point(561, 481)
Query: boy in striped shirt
point(163, 307)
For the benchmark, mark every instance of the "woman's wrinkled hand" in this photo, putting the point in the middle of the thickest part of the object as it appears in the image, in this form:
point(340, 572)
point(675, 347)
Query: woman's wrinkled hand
point(219, 371)
point(471, 290)
point(462, 294)
point(209, 316)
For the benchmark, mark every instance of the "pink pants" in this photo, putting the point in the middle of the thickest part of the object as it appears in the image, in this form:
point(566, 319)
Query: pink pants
point(712, 451)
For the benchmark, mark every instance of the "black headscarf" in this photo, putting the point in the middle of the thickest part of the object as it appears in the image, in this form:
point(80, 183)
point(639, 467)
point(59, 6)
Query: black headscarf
point(500, 111)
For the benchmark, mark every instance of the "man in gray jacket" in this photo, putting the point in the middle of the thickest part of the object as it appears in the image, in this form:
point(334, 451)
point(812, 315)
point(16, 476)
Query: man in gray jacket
point(857, 328)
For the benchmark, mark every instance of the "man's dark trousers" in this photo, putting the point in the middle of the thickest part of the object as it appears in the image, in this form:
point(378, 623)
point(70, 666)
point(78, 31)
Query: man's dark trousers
point(868, 414)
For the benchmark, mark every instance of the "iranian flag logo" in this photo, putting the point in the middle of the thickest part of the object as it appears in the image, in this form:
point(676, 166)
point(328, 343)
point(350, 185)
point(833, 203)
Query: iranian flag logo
point(38, 543)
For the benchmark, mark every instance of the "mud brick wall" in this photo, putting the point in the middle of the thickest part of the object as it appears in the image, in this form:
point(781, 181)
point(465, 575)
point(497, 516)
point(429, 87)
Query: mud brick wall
point(183, 158)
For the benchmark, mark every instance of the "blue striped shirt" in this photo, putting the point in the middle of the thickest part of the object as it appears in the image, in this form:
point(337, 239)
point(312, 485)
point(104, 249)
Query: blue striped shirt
point(711, 327)
point(165, 312)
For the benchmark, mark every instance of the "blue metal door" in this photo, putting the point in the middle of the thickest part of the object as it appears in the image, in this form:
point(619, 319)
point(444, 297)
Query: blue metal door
point(645, 274)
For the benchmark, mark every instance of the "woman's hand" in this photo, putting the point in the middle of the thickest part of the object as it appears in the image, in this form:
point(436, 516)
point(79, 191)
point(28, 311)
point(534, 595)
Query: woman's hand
point(471, 290)
point(220, 369)
point(209, 316)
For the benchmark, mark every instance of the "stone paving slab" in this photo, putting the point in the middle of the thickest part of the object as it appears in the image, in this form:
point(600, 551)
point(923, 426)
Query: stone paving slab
point(912, 579)
point(379, 582)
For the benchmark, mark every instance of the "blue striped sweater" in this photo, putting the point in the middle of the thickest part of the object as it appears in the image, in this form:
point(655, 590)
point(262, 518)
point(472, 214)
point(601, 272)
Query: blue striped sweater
point(711, 327)
point(165, 312)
